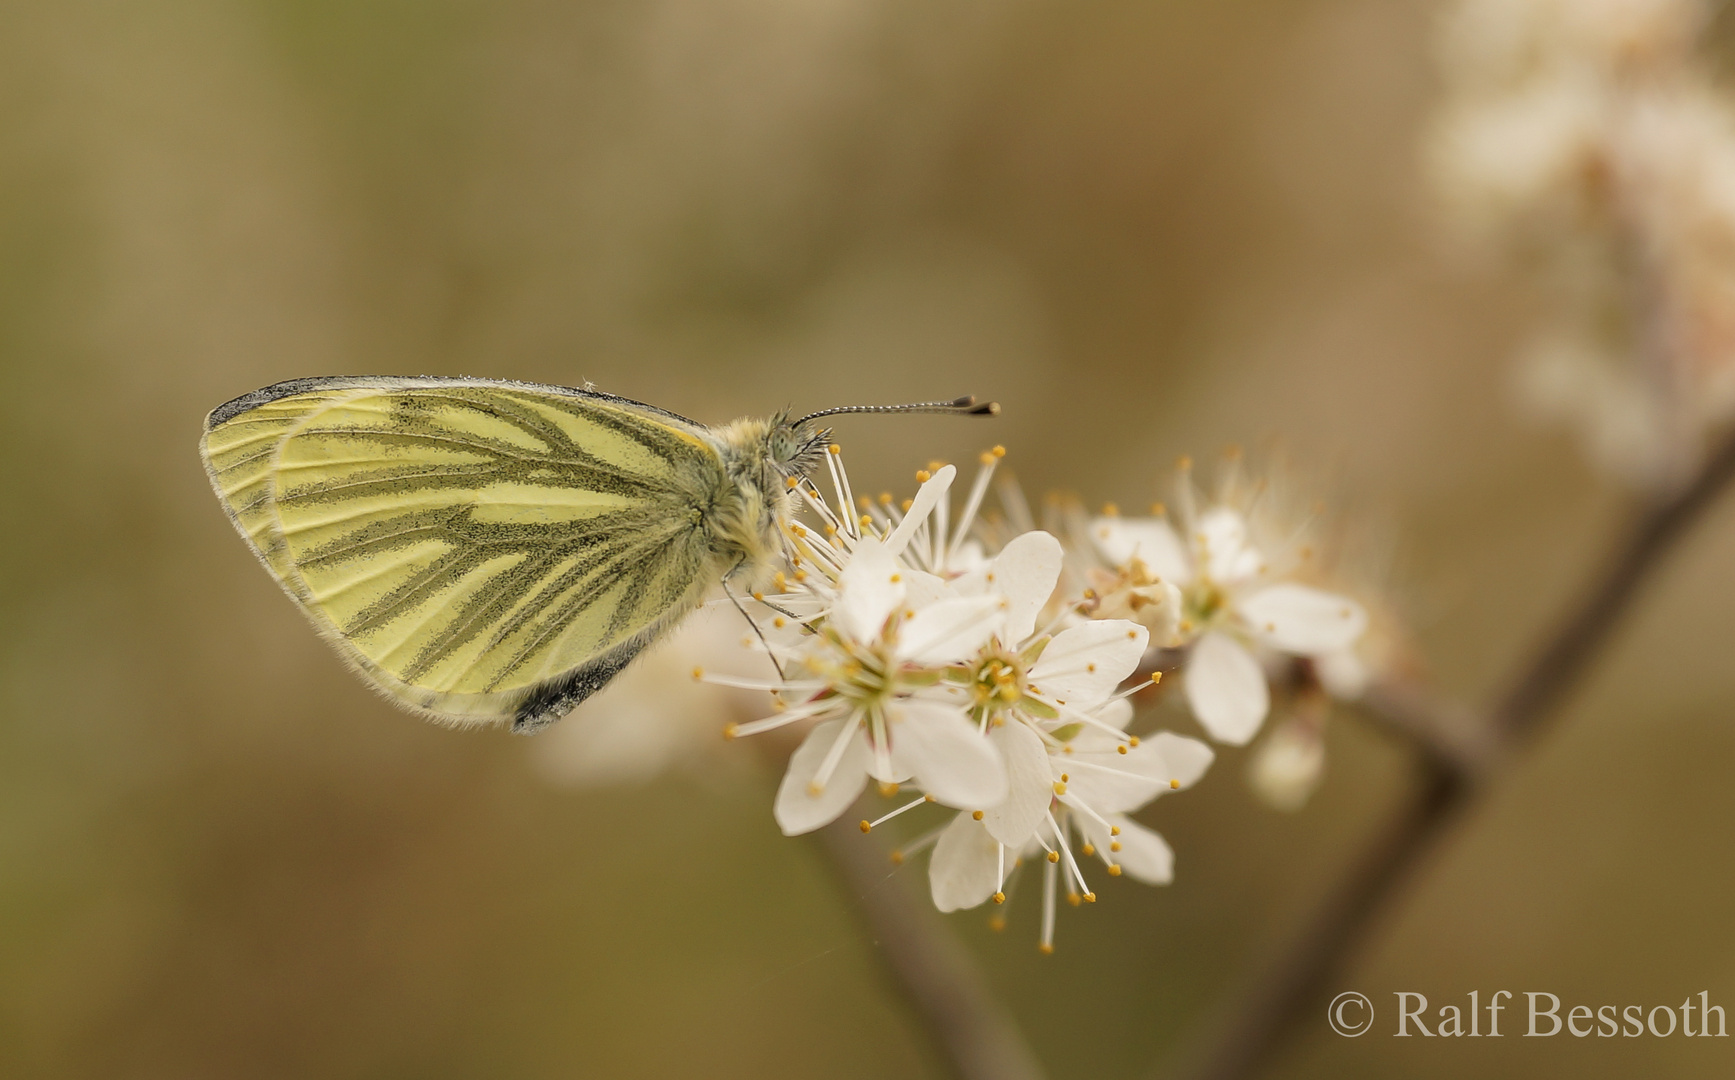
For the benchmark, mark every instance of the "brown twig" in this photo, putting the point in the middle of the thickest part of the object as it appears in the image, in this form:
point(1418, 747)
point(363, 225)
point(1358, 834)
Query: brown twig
point(1456, 760)
point(928, 965)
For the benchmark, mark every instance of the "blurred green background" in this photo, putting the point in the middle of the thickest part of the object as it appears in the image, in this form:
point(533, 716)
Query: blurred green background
point(1147, 228)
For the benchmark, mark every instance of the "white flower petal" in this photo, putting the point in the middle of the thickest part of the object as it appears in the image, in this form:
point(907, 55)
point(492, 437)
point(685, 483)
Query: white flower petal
point(922, 588)
point(965, 867)
point(1226, 689)
point(950, 630)
point(1152, 541)
point(1030, 784)
point(1083, 665)
point(1183, 759)
point(1303, 620)
point(1224, 554)
point(1025, 573)
point(870, 588)
point(798, 810)
point(941, 749)
point(1143, 855)
point(927, 497)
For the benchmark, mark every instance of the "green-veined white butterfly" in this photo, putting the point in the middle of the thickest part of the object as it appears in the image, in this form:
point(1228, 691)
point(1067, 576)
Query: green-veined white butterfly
point(481, 550)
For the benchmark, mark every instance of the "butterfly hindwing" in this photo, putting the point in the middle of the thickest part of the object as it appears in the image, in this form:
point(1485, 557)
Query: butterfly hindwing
point(480, 550)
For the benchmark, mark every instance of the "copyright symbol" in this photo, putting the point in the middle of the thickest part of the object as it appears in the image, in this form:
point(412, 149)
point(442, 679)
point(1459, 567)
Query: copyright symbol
point(1351, 1014)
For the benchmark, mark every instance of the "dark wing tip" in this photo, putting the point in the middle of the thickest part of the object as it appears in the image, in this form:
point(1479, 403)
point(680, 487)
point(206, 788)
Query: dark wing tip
point(229, 410)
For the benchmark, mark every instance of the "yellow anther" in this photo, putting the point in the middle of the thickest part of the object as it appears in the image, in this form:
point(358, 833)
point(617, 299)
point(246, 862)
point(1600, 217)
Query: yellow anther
point(729, 731)
point(1132, 633)
point(815, 789)
point(866, 826)
point(1175, 784)
point(835, 449)
point(1089, 850)
point(864, 502)
point(1060, 789)
point(791, 483)
point(927, 798)
point(1158, 509)
point(1114, 845)
point(906, 504)
point(866, 521)
point(1090, 898)
point(897, 578)
point(777, 622)
point(999, 898)
point(885, 498)
point(1073, 898)
point(888, 790)
point(1045, 949)
point(1090, 594)
point(1114, 869)
point(1184, 462)
point(986, 458)
point(1156, 677)
point(997, 923)
point(1054, 856)
point(831, 530)
point(1121, 749)
point(759, 596)
point(923, 476)
point(1067, 749)
point(780, 581)
point(976, 815)
point(1090, 667)
point(698, 673)
point(1064, 778)
point(1132, 740)
point(1114, 830)
point(801, 575)
point(1110, 510)
point(998, 451)
point(897, 858)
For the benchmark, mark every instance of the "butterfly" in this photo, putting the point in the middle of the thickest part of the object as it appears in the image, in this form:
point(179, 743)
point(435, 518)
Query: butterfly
point(482, 550)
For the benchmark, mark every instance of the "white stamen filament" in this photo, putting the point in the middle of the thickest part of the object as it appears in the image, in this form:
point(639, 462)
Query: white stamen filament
point(971, 505)
point(1050, 878)
point(911, 805)
point(771, 723)
point(1066, 853)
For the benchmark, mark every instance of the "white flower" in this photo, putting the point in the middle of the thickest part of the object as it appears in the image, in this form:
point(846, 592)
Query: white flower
point(863, 636)
point(1088, 787)
point(1233, 601)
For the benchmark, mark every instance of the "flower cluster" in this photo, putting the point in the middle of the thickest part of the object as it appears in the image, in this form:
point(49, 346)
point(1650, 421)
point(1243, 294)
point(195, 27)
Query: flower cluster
point(928, 661)
point(1587, 136)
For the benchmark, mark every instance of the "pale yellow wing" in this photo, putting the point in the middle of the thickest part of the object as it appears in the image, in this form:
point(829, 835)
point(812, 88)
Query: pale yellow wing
point(479, 550)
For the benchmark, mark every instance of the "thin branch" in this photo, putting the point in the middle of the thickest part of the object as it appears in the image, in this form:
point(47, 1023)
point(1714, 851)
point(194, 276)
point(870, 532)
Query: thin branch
point(930, 968)
point(1456, 760)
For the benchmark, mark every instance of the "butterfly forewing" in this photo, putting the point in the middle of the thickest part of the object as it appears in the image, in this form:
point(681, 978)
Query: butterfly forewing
point(466, 543)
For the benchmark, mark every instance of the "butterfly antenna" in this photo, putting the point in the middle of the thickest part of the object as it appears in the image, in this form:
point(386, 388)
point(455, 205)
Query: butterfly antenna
point(964, 406)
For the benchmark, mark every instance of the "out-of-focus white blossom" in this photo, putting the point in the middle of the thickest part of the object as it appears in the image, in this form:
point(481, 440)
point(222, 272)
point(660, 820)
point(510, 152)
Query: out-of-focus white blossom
point(1586, 136)
point(653, 718)
point(1288, 764)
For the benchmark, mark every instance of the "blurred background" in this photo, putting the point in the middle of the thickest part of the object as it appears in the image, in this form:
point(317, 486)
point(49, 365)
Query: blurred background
point(1147, 229)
